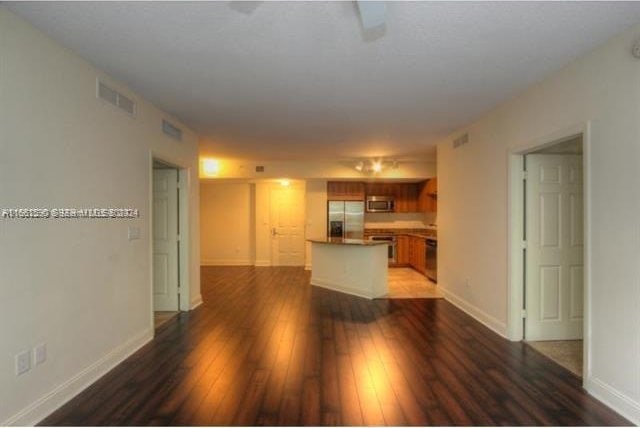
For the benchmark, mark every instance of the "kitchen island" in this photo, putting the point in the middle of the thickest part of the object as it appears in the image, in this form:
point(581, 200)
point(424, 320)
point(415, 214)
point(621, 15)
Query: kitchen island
point(353, 266)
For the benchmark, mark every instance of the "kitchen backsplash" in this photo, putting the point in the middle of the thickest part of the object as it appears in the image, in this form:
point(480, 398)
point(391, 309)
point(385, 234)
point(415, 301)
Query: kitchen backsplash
point(398, 220)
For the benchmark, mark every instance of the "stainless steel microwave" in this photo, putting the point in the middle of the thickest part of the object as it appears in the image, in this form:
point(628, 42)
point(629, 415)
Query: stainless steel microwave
point(380, 204)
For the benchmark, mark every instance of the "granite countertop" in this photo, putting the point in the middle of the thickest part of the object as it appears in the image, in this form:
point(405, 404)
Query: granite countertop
point(428, 233)
point(341, 241)
point(421, 235)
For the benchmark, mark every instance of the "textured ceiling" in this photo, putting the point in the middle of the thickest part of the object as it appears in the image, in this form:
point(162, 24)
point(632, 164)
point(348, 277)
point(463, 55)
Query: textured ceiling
point(269, 80)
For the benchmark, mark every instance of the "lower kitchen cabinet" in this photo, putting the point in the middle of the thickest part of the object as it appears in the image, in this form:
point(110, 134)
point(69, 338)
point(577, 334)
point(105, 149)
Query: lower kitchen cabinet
point(421, 259)
point(411, 251)
point(417, 253)
point(402, 247)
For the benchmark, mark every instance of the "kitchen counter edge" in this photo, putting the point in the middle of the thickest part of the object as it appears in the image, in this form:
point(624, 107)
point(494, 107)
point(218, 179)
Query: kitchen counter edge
point(340, 241)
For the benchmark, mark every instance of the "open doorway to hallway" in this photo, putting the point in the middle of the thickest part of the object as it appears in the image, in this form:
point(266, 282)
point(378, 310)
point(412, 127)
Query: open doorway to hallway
point(166, 242)
point(553, 251)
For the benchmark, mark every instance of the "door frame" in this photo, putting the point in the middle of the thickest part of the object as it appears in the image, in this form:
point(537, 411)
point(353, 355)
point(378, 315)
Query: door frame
point(515, 216)
point(184, 232)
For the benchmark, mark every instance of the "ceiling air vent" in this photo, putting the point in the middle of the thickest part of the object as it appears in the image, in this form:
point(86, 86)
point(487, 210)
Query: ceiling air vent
point(462, 140)
point(171, 130)
point(116, 99)
point(259, 168)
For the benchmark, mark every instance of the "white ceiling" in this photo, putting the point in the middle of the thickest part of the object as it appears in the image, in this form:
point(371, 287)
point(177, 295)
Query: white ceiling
point(293, 80)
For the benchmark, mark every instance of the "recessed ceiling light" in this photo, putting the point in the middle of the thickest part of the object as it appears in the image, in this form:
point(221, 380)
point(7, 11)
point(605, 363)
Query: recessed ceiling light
point(210, 167)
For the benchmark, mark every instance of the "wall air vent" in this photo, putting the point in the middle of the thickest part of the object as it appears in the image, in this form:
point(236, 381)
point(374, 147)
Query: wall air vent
point(460, 141)
point(115, 98)
point(259, 168)
point(171, 130)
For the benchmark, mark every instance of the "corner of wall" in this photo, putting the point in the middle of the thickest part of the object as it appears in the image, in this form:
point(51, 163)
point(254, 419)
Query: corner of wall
point(478, 314)
point(197, 301)
point(618, 401)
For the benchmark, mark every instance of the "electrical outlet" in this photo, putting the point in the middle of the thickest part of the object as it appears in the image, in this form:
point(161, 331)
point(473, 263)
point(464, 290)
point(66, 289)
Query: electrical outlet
point(23, 362)
point(133, 233)
point(40, 354)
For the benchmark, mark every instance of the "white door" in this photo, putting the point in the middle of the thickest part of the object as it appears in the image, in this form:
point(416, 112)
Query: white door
point(554, 254)
point(165, 240)
point(287, 225)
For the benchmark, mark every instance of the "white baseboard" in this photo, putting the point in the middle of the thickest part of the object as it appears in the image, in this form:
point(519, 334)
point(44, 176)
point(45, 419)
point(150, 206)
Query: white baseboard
point(618, 401)
point(218, 262)
point(50, 402)
point(196, 302)
point(307, 267)
point(489, 321)
point(319, 282)
point(262, 263)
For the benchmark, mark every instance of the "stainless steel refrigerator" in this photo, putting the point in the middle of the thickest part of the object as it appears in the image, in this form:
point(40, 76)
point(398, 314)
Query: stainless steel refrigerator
point(345, 219)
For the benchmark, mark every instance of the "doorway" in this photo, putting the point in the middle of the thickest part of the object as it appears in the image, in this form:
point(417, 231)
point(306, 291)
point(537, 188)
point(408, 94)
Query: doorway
point(552, 251)
point(165, 242)
point(287, 202)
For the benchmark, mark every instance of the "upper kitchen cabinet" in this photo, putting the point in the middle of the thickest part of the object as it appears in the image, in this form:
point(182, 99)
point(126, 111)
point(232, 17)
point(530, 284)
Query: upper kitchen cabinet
point(409, 197)
point(380, 189)
point(405, 195)
point(345, 191)
point(428, 196)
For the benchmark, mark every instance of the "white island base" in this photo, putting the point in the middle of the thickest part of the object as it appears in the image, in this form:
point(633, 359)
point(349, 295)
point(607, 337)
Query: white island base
point(350, 266)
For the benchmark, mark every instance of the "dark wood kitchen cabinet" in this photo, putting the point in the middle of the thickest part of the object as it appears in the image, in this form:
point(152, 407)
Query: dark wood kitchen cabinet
point(408, 197)
point(380, 189)
point(345, 191)
point(402, 248)
point(405, 195)
point(417, 253)
point(428, 196)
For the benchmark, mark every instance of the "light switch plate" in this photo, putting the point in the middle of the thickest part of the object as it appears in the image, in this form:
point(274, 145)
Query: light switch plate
point(23, 362)
point(133, 233)
point(40, 354)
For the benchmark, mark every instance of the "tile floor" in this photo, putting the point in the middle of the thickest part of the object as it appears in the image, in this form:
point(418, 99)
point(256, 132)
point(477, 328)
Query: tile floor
point(406, 283)
point(567, 353)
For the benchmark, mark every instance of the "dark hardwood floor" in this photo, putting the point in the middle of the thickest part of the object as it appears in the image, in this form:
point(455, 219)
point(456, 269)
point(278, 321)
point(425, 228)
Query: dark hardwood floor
point(266, 348)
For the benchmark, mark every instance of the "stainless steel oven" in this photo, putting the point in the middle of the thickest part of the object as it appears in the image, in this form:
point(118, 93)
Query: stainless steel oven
point(380, 204)
point(392, 245)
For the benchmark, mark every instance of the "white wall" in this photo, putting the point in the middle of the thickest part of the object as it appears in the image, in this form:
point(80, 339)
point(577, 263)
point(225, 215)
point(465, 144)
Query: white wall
point(227, 224)
point(337, 170)
point(603, 90)
point(80, 286)
point(236, 223)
